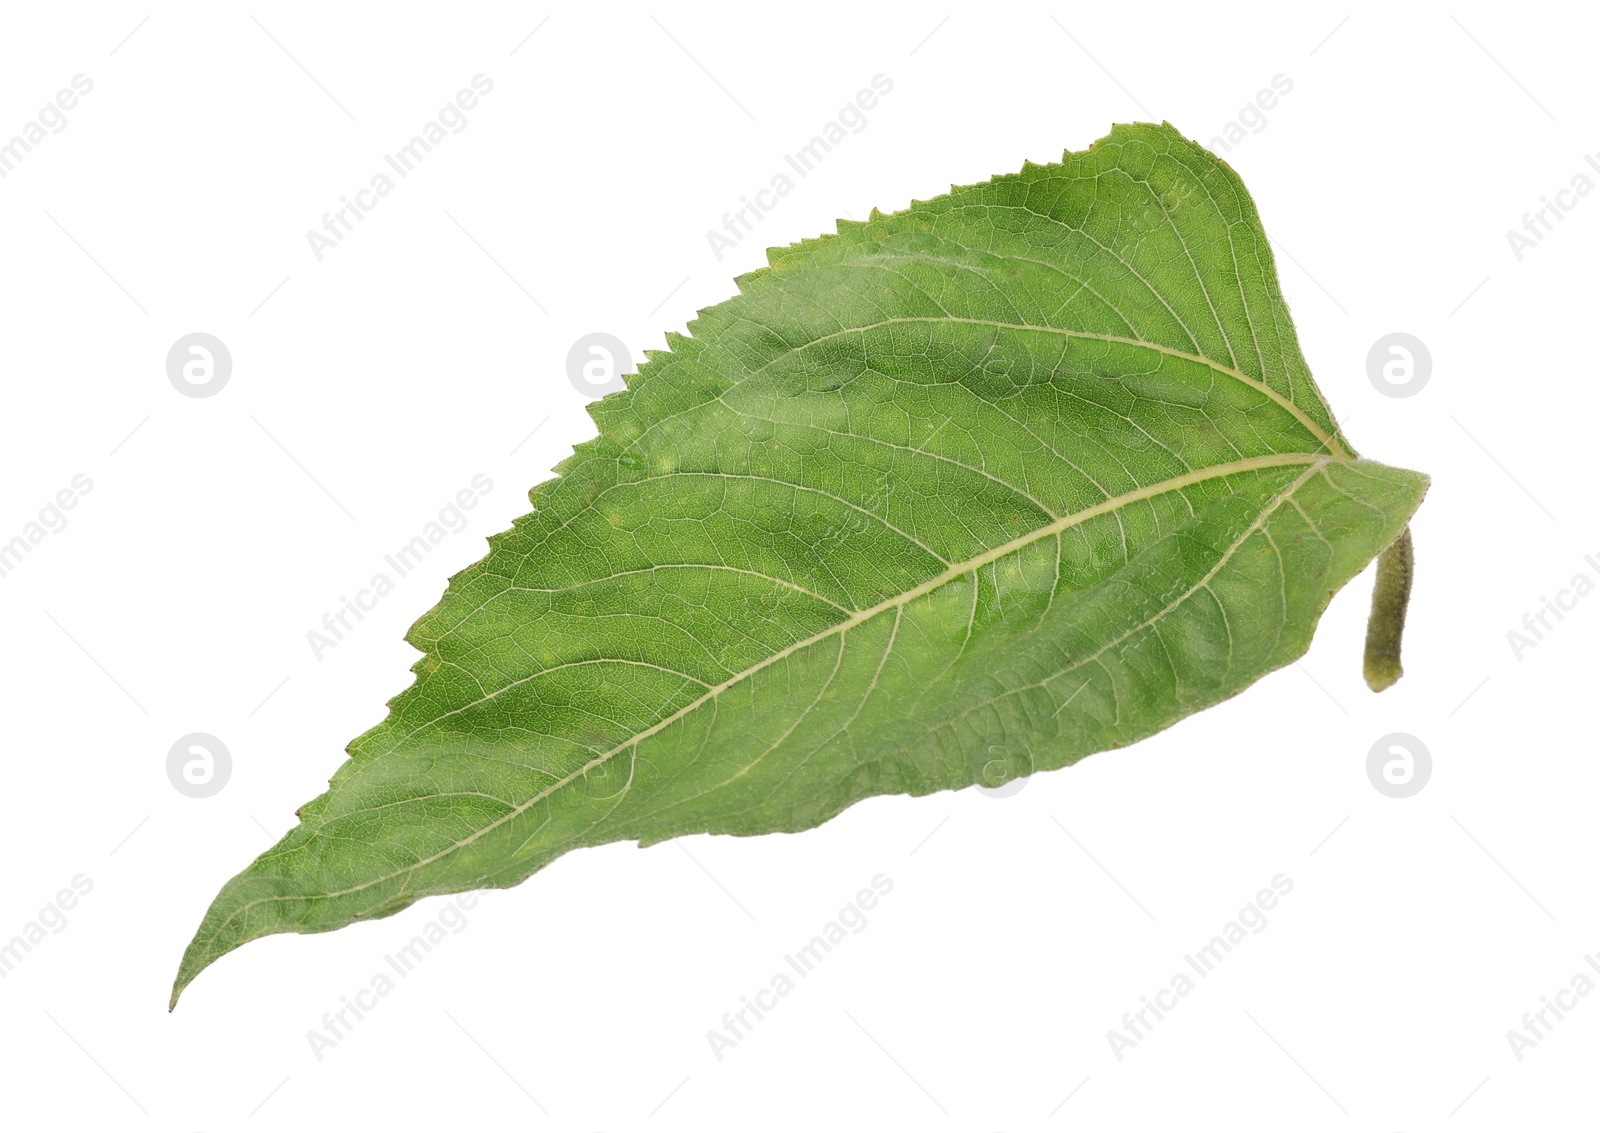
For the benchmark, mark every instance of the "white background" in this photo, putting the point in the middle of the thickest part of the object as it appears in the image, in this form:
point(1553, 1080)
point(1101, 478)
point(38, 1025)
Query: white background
point(369, 387)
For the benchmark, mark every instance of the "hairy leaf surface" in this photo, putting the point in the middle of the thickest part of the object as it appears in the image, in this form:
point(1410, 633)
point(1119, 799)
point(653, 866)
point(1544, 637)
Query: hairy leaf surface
point(1022, 473)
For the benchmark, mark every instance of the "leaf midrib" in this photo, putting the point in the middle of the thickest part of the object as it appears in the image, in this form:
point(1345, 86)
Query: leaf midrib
point(1313, 461)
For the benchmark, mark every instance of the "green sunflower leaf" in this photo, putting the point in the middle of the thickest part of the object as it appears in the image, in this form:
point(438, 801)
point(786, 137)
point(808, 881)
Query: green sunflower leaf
point(1021, 473)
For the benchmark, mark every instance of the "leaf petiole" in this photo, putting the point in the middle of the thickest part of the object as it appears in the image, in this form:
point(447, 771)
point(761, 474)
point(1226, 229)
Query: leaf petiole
point(1390, 595)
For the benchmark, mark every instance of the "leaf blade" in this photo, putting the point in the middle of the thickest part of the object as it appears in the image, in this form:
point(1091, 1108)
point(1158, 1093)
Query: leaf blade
point(1044, 443)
